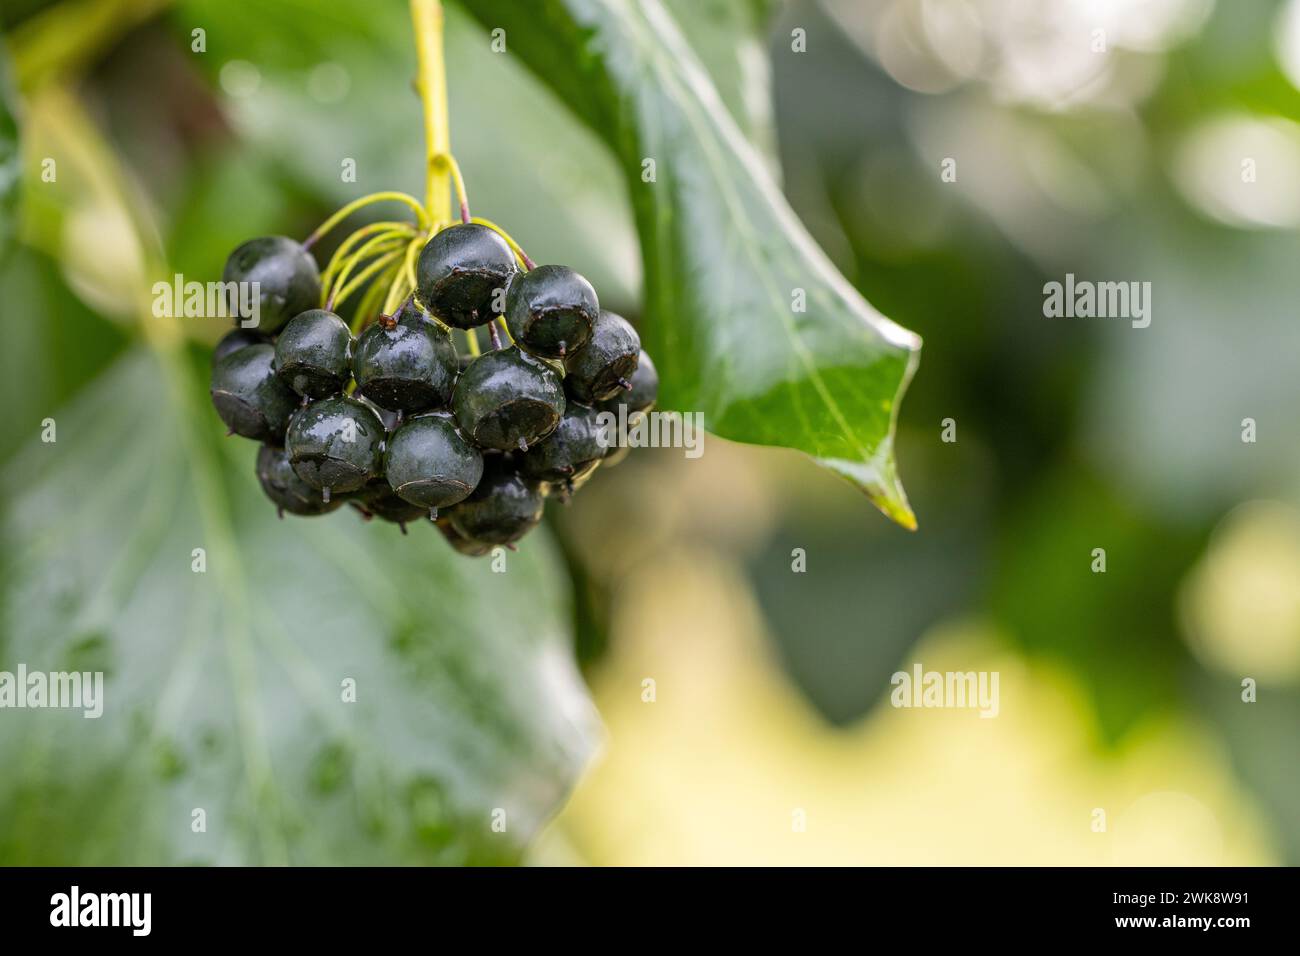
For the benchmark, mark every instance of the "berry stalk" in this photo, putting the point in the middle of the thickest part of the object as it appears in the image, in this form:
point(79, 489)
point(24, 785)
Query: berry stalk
point(427, 18)
point(350, 208)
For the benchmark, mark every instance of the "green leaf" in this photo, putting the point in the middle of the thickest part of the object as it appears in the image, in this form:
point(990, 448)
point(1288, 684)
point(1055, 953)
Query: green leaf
point(725, 257)
point(224, 690)
point(727, 36)
point(61, 345)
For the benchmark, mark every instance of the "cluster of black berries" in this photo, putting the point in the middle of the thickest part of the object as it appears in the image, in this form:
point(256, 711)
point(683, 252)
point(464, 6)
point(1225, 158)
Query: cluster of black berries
point(476, 444)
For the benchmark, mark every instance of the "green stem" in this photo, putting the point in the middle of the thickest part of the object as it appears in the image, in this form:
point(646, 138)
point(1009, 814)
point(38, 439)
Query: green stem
point(343, 213)
point(526, 262)
point(427, 19)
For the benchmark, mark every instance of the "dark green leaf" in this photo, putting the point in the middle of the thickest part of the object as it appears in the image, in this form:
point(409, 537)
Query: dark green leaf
point(60, 345)
point(726, 260)
point(224, 689)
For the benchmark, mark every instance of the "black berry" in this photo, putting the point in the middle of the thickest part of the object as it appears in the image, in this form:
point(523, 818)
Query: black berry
point(550, 311)
point(462, 544)
point(390, 419)
point(287, 277)
point(570, 452)
point(313, 354)
point(643, 394)
point(406, 365)
point(430, 464)
point(235, 340)
point(605, 365)
point(377, 499)
point(283, 486)
point(503, 508)
point(460, 272)
point(249, 398)
point(335, 444)
point(507, 399)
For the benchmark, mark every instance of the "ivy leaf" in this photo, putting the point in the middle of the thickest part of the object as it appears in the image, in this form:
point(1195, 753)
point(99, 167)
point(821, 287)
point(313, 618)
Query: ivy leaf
point(747, 319)
point(228, 735)
point(727, 36)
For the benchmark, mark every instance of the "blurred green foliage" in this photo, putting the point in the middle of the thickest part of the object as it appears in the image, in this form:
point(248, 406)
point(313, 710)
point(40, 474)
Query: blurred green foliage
point(1097, 435)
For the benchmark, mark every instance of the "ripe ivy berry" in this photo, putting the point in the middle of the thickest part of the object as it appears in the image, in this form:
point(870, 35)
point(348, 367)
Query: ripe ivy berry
point(335, 444)
point(487, 438)
point(460, 271)
point(430, 464)
point(462, 544)
point(407, 364)
point(286, 274)
point(605, 365)
point(249, 398)
point(507, 399)
point(550, 311)
point(233, 341)
point(283, 486)
point(643, 394)
point(378, 500)
point(390, 419)
point(503, 508)
point(570, 452)
point(313, 354)
point(629, 406)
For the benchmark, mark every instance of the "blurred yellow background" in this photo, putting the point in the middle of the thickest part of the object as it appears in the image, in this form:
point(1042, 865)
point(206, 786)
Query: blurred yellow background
point(728, 764)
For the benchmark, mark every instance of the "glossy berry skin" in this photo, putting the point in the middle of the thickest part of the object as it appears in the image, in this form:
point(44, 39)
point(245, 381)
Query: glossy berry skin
point(550, 311)
point(460, 543)
point(643, 394)
point(637, 401)
point(507, 399)
point(430, 464)
point(389, 419)
point(287, 277)
point(408, 365)
point(377, 499)
point(503, 508)
point(570, 452)
point(335, 444)
point(249, 398)
point(283, 486)
point(233, 341)
point(599, 369)
point(313, 354)
point(459, 272)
